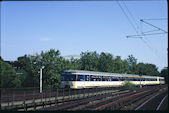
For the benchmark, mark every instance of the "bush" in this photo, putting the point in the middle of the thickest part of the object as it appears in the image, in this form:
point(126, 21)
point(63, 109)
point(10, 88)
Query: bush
point(128, 85)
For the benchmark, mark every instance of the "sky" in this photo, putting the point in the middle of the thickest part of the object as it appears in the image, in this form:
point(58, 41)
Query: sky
point(72, 27)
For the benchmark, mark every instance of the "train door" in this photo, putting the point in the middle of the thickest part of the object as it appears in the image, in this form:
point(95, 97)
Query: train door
point(158, 81)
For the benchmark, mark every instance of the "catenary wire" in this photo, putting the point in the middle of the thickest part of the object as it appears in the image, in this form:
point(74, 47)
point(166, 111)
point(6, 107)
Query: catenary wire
point(127, 16)
point(155, 52)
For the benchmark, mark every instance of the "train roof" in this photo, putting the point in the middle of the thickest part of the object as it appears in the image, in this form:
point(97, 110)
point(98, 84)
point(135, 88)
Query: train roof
point(83, 72)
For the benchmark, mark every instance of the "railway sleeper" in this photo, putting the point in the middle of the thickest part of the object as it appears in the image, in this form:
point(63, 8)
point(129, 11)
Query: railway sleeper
point(131, 100)
point(117, 102)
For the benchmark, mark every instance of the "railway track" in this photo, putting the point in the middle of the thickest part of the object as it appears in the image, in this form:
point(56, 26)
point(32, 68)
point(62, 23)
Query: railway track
point(75, 103)
point(35, 102)
point(58, 92)
point(155, 102)
point(107, 102)
point(111, 103)
point(100, 99)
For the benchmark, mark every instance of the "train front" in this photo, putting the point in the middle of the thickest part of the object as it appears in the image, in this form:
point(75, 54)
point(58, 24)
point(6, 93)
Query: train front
point(68, 80)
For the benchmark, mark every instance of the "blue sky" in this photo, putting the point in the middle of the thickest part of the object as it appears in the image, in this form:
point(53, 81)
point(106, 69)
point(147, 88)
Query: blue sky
point(75, 27)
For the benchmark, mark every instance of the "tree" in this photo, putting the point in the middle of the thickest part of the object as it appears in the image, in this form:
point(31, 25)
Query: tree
point(25, 64)
point(146, 69)
point(118, 64)
point(75, 64)
point(141, 69)
point(8, 76)
point(151, 69)
point(53, 67)
point(105, 63)
point(89, 61)
point(164, 73)
point(132, 61)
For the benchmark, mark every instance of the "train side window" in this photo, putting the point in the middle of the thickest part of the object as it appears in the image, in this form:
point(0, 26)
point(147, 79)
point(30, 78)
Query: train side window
point(115, 79)
point(80, 78)
point(99, 78)
point(126, 78)
point(109, 78)
point(131, 79)
point(134, 79)
point(93, 78)
point(87, 78)
point(161, 79)
point(103, 78)
point(121, 78)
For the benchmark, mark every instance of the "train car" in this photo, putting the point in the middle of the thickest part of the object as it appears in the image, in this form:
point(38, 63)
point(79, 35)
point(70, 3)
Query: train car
point(77, 79)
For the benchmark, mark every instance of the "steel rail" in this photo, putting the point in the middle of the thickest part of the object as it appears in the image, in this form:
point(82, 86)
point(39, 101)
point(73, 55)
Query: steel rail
point(161, 103)
point(146, 101)
point(79, 102)
point(119, 100)
point(98, 101)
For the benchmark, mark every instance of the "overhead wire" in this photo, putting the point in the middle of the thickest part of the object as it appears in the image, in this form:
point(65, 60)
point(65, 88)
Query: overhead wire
point(134, 20)
point(127, 16)
point(154, 51)
point(157, 19)
point(153, 26)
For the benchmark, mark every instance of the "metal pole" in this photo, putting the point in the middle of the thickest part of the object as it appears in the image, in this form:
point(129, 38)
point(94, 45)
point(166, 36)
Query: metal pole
point(40, 80)
point(140, 81)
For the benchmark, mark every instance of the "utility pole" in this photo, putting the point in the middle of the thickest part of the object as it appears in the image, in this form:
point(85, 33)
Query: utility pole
point(41, 78)
point(140, 74)
point(140, 82)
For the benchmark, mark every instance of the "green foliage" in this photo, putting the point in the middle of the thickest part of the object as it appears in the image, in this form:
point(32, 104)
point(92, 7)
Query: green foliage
point(8, 76)
point(74, 64)
point(105, 63)
point(164, 73)
point(89, 61)
point(120, 66)
point(128, 85)
point(27, 67)
point(146, 69)
point(132, 61)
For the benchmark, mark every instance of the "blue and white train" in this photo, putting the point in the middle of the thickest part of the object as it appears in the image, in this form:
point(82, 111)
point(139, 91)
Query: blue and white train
point(77, 79)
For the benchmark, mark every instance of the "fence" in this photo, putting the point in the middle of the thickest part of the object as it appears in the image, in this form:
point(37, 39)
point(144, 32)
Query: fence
point(20, 94)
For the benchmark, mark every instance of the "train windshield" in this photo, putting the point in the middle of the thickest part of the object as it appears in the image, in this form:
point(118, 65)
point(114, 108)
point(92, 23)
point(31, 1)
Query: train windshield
point(68, 77)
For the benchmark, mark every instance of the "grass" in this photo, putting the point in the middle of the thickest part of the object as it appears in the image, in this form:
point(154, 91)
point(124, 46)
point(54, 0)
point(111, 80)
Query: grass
point(128, 85)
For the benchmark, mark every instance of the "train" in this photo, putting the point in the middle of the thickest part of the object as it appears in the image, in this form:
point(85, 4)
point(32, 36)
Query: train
point(77, 79)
